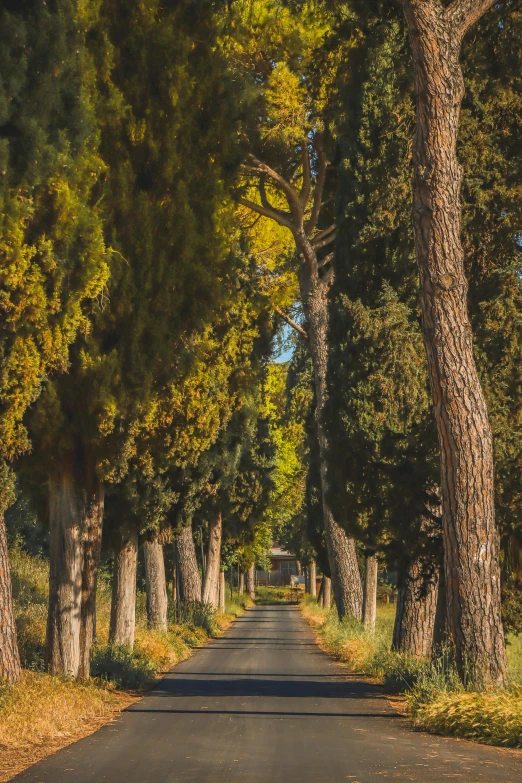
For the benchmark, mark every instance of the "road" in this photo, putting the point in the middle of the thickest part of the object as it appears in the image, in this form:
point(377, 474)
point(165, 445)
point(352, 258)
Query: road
point(265, 705)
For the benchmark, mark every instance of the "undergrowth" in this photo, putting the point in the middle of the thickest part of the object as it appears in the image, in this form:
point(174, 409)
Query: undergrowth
point(435, 695)
point(272, 595)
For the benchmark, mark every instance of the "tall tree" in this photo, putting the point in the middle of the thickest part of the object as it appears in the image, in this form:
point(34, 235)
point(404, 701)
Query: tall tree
point(53, 265)
point(465, 439)
point(290, 190)
point(168, 309)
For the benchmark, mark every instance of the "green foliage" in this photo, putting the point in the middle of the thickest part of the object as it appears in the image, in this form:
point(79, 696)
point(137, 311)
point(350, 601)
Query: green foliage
point(129, 669)
point(53, 264)
point(384, 461)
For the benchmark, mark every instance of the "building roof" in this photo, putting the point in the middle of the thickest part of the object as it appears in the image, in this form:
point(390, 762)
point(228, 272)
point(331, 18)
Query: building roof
point(276, 551)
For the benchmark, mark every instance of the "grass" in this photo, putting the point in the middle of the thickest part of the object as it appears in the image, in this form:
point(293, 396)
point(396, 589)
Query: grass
point(436, 698)
point(42, 713)
point(272, 595)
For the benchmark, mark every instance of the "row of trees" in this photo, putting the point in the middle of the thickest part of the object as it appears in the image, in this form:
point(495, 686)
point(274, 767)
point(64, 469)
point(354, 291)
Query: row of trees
point(180, 179)
point(134, 333)
point(400, 452)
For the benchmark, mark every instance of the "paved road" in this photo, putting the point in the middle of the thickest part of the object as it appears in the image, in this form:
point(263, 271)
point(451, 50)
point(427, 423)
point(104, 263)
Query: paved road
point(265, 705)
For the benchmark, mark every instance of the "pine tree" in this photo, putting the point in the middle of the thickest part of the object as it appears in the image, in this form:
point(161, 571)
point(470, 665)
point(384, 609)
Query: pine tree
point(385, 458)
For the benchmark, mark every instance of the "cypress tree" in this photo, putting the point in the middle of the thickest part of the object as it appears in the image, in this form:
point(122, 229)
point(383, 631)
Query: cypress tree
point(53, 261)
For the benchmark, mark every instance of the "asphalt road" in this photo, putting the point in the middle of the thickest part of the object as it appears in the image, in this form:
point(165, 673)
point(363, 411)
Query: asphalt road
point(265, 705)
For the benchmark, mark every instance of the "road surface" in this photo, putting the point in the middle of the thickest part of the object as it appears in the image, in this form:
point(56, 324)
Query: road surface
point(265, 705)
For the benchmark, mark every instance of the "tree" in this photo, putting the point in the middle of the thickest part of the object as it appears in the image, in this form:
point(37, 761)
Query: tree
point(290, 192)
point(169, 307)
point(54, 263)
point(382, 454)
point(465, 439)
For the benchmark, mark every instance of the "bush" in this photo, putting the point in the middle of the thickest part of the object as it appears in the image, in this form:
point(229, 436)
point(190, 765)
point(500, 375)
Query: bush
point(126, 668)
point(195, 614)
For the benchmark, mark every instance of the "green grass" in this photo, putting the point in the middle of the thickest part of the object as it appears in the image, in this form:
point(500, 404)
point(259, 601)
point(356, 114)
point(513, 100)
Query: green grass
point(273, 595)
point(437, 699)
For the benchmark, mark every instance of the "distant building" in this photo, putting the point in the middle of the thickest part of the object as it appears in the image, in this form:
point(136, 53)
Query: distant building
point(283, 566)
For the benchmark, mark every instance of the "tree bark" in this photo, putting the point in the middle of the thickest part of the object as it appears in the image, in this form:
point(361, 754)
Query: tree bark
point(414, 627)
point(10, 667)
point(189, 576)
point(91, 539)
point(156, 584)
point(222, 591)
point(62, 653)
point(370, 592)
point(327, 592)
point(440, 630)
point(344, 568)
point(251, 581)
point(320, 597)
point(312, 570)
point(123, 604)
point(470, 536)
point(210, 594)
point(241, 586)
point(174, 575)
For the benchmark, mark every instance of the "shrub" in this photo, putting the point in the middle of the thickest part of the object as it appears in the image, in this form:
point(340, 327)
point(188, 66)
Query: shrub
point(129, 669)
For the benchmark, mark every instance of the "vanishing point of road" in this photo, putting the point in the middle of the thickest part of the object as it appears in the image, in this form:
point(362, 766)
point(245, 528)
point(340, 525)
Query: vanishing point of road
point(264, 705)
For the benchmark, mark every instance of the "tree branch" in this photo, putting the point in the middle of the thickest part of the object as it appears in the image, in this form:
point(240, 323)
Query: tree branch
point(326, 260)
point(319, 185)
point(463, 14)
point(283, 218)
point(305, 190)
point(331, 237)
point(292, 323)
point(261, 168)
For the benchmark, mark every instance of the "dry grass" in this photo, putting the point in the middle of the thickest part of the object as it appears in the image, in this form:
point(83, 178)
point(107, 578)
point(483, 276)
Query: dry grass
point(42, 707)
point(493, 718)
point(42, 714)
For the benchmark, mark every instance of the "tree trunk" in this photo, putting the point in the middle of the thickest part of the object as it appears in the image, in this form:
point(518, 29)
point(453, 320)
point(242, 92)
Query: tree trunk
point(327, 592)
point(440, 630)
point(320, 597)
point(10, 668)
point(222, 590)
point(123, 604)
point(210, 594)
point(312, 570)
point(415, 616)
point(241, 586)
point(470, 536)
point(370, 592)
point(62, 653)
point(189, 576)
point(346, 579)
point(92, 538)
point(299, 568)
point(251, 581)
point(174, 575)
point(156, 584)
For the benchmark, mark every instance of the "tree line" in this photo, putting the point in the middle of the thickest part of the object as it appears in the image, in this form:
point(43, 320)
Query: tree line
point(184, 183)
